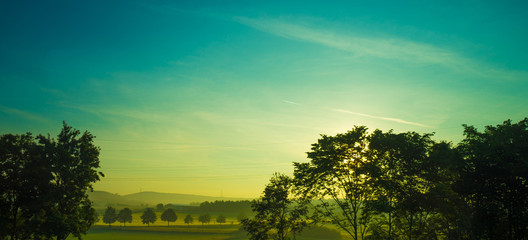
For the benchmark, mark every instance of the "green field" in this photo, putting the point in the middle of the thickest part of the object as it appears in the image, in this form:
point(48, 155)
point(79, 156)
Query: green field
point(230, 230)
point(193, 232)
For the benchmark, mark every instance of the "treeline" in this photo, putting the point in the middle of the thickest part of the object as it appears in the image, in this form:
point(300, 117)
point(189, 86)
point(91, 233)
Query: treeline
point(387, 185)
point(149, 216)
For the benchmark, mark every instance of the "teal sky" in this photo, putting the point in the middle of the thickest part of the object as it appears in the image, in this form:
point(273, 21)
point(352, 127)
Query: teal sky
point(211, 98)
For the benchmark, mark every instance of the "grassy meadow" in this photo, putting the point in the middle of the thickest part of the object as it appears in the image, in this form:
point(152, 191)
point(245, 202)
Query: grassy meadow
point(179, 230)
point(193, 232)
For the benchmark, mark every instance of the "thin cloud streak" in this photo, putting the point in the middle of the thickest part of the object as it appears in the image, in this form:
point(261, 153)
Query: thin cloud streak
point(23, 114)
point(380, 118)
point(380, 48)
point(126, 113)
point(290, 102)
point(384, 48)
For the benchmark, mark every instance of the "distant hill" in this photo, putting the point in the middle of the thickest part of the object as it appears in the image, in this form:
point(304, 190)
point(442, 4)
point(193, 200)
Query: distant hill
point(102, 199)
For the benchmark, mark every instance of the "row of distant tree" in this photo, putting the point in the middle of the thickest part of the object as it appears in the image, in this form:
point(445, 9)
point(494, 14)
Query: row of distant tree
point(387, 185)
point(149, 216)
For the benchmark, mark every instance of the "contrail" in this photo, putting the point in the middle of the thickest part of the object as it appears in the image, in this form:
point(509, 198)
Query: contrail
point(381, 118)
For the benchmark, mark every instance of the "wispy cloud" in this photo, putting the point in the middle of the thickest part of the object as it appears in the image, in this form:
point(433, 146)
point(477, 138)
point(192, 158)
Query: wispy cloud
point(121, 113)
point(292, 103)
point(381, 118)
point(23, 114)
point(383, 48)
point(375, 47)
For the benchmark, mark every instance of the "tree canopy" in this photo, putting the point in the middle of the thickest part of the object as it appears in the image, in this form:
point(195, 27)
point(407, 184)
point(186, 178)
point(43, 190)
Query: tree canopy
point(494, 179)
point(278, 215)
point(169, 215)
point(124, 216)
point(45, 183)
point(110, 216)
point(205, 218)
point(148, 216)
point(221, 219)
point(386, 185)
point(188, 219)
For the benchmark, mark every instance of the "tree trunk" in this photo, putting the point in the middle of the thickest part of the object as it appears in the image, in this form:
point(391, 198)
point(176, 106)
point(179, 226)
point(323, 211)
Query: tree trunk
point(410, 227)
point(355, 226)
point(390, 225)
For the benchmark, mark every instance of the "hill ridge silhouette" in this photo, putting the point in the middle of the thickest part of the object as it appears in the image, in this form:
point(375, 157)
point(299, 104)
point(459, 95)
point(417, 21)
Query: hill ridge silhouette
point(151, 198)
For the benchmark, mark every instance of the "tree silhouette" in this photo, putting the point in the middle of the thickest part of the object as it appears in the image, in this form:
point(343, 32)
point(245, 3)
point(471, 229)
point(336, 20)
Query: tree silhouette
point(124, 216)
point(24, 175)
point(188, 219)
point(148, 217)
point(337, 177)
point(169, 215)
point(205, 218)
point(160, 207)
point(277, 215)
point(381, 185)
point(109, 216)
point(400, 180)
point(45, 183)
point(74, 160)
point(221, 219)
point(494, 180)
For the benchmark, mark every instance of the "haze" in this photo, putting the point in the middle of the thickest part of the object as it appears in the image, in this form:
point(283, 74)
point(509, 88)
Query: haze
point(211, 98)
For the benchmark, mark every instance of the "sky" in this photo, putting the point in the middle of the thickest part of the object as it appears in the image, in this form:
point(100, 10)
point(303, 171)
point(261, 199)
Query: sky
point(213, 97)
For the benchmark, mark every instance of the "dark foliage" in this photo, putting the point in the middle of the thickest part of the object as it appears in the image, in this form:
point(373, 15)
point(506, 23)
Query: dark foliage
point(124, 216)
point(45, 183)
point(110, 216)
point(387, 185)
point(205, 218)
point(494, 180)
point(169, 215)
point(278, 215)
point(148, 217)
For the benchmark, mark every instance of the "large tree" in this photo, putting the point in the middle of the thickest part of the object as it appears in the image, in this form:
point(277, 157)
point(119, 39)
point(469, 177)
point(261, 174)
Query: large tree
point(148, 216)
point(74, 160)
point(382, 185)
point(45, 184)
point(169, 215)
point(278, 215)
point(411, 176)
point(124, 216)
point(336, 179)
point(494, 179)
point(25, 180)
